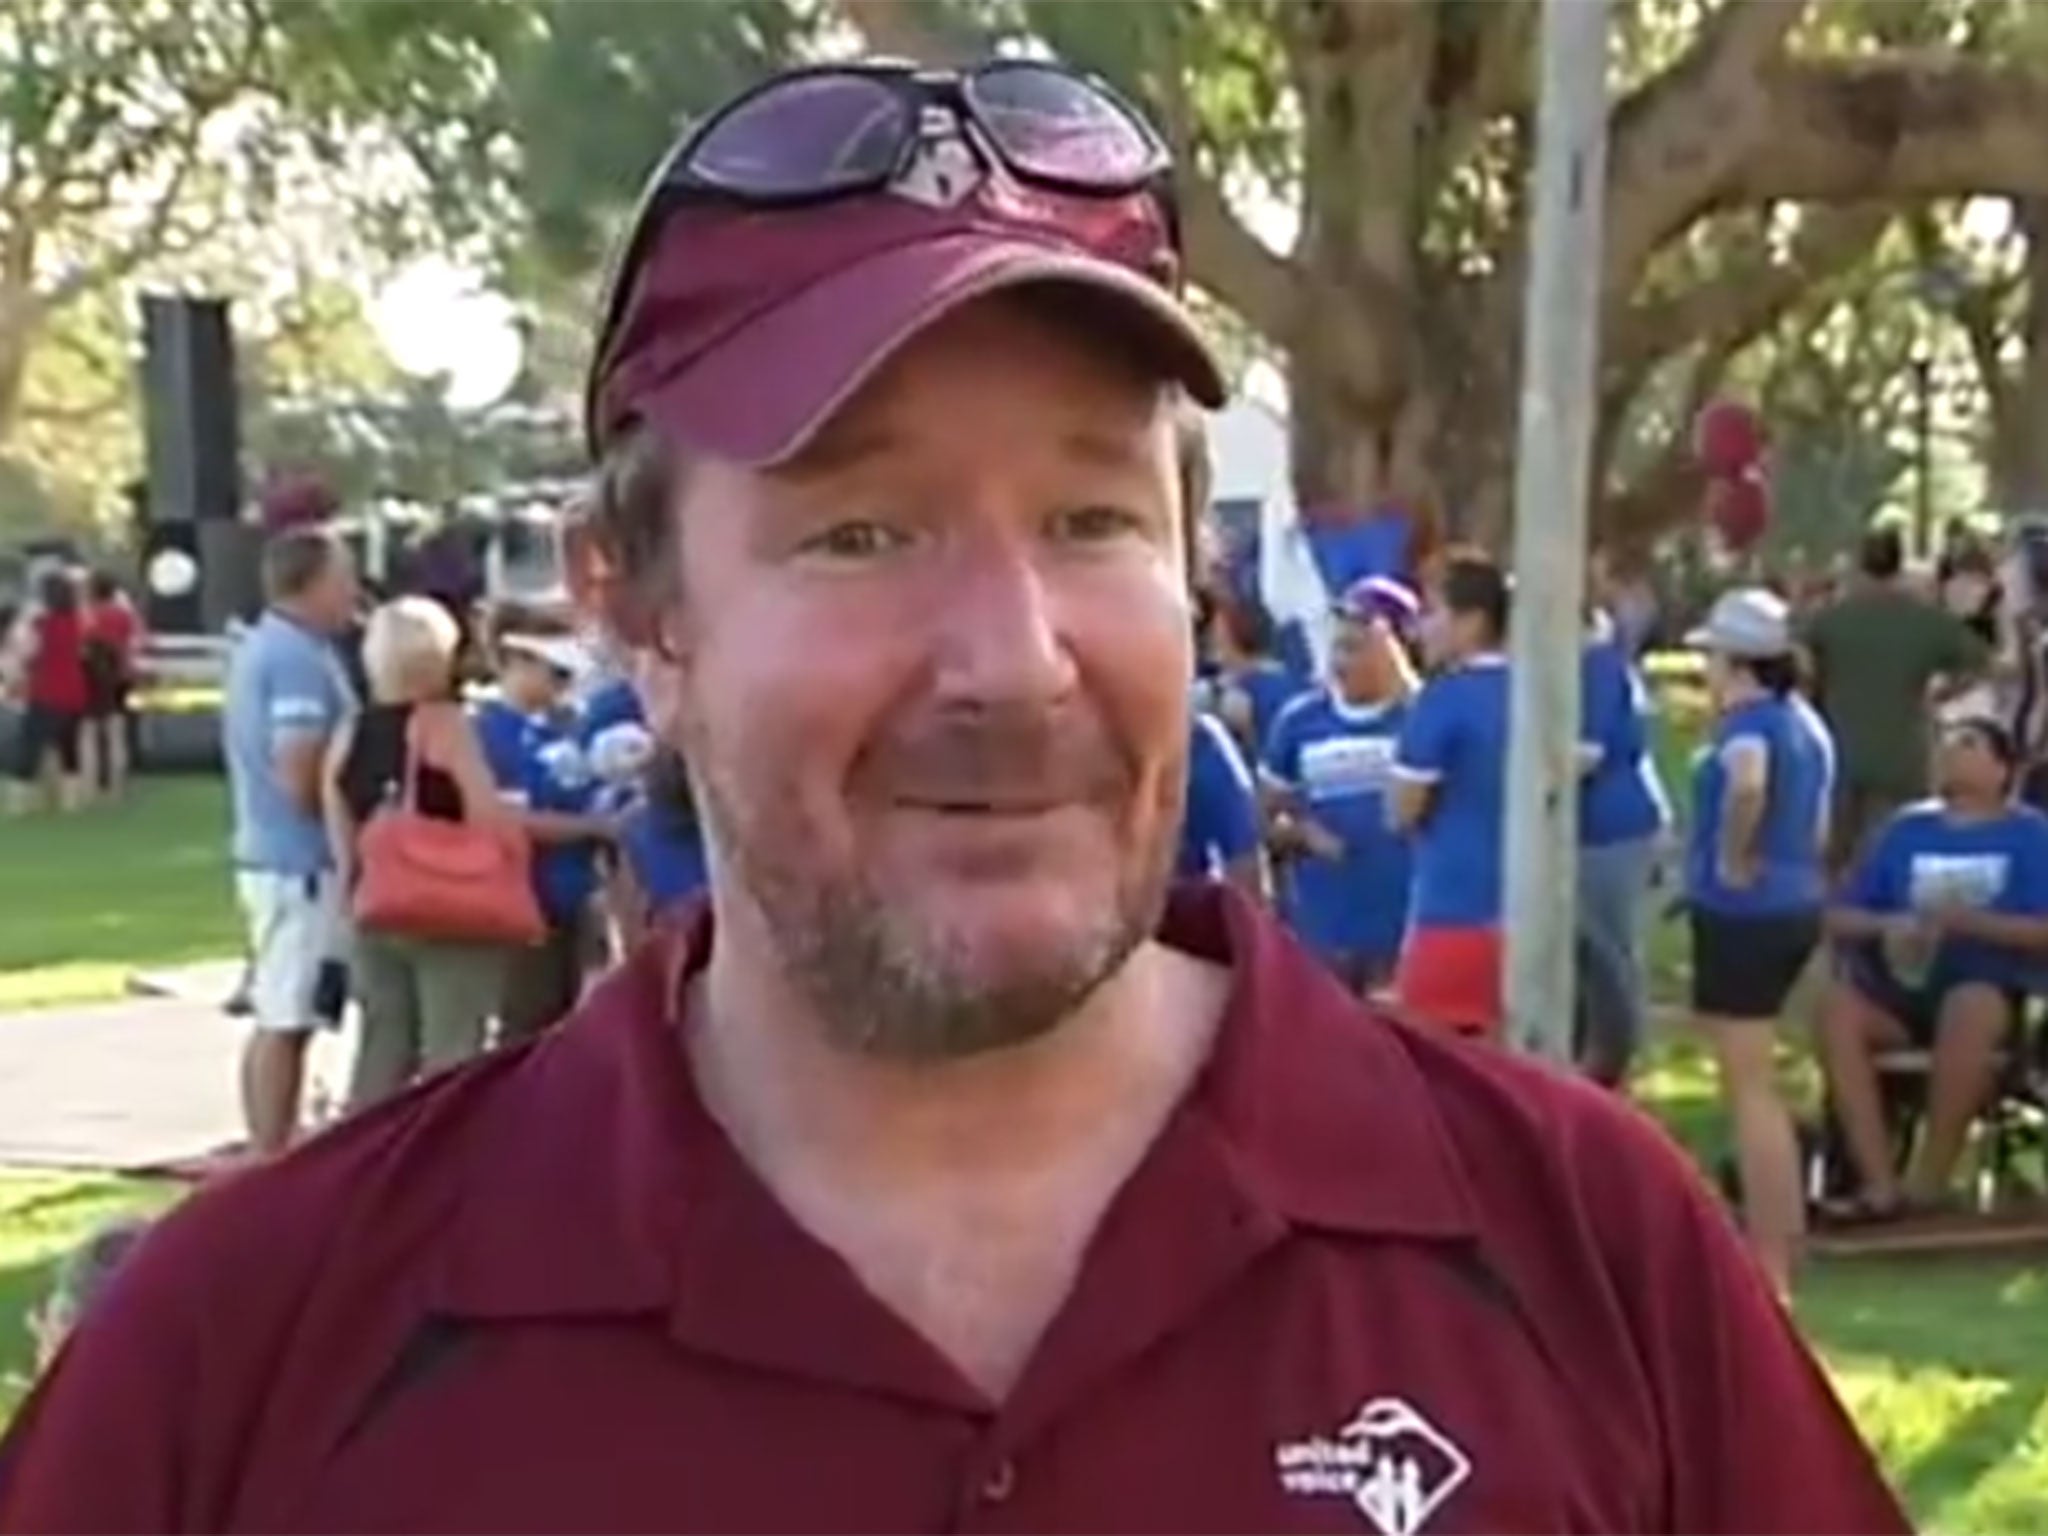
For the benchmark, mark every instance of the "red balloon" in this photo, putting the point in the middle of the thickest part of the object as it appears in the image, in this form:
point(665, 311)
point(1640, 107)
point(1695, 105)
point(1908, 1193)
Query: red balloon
point(1738, 507)
point(1728, 439)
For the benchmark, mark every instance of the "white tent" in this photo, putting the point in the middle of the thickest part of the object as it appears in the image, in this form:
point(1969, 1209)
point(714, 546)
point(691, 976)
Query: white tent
point(1248, 442)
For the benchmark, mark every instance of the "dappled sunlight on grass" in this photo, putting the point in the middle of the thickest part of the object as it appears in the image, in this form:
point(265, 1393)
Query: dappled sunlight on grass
point(1944, 1365)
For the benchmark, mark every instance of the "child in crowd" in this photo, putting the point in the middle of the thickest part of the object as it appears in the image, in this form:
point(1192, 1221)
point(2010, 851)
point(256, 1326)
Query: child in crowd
point(82, 1279)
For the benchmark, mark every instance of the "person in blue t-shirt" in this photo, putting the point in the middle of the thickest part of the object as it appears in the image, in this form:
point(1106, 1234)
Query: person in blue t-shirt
point(1450, 794)
point(1251, 685)
point(1942, 930)
point(1755, 884)
point(662, 864)
point(529, 740)
point(1328, 763)
point(287, 696)
point(611, 704)
point(1219, 831)
point(1623, 814)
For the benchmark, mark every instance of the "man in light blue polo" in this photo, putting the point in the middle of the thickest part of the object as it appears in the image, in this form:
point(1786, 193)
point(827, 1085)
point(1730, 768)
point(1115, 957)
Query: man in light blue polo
point(286, 693)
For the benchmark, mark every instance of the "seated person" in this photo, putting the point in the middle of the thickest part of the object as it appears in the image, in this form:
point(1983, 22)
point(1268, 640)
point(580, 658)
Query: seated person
point(1942, 928)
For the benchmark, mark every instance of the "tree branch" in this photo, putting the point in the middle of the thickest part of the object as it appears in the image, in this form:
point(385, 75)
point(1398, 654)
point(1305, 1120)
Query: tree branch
point(1899, 127)
point(1742, 300)
point(1685, 132)
point(1271, 292)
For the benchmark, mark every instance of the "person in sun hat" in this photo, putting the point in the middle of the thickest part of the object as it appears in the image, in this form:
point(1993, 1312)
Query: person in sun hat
point(529, 735)
point(950, 1167)
point(1755, 885)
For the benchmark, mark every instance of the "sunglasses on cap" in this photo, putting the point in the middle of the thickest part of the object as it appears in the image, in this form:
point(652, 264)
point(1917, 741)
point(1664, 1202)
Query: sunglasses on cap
point(833, 131)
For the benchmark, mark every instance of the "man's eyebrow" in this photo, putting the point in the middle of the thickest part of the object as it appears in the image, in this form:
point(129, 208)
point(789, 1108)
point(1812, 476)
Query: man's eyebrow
point(840, 447)
point(1109, 450)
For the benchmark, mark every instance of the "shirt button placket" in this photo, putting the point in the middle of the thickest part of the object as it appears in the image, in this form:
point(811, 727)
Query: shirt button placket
point(998, 1483)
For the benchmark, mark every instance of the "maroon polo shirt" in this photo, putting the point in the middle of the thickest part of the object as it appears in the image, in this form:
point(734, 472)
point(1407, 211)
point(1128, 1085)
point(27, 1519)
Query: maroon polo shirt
point(1368, 1279)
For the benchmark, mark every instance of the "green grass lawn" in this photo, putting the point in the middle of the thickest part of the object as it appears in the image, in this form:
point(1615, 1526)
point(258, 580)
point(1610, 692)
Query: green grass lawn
point(90, 898)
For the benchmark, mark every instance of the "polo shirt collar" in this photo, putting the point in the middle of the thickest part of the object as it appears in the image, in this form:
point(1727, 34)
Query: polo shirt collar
point(1323, 1112)
point(592, 1175)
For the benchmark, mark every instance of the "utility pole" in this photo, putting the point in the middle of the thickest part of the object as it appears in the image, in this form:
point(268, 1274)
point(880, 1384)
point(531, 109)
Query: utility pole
point(1553, 461)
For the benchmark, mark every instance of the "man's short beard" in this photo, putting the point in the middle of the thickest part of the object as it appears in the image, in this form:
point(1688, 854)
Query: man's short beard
point(881, 993)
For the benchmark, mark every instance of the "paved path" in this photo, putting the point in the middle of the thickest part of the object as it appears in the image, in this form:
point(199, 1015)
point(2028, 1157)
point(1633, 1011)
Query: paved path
point(129, 1085)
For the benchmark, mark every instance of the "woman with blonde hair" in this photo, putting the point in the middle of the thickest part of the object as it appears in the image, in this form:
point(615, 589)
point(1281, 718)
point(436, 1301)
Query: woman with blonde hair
point(426, 1003)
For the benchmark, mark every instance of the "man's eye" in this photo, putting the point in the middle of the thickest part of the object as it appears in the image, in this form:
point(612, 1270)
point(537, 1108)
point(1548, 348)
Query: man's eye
point(856, 541)
point(1091, 524)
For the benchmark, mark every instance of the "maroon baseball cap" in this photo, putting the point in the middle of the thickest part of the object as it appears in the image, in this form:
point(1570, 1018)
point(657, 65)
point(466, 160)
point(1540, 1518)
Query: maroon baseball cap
point(746, 328)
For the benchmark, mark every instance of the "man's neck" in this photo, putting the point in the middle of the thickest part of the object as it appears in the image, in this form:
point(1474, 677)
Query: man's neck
point(802, 1107)
point(1968, 807)
point(297, 614)
point(1361, 700)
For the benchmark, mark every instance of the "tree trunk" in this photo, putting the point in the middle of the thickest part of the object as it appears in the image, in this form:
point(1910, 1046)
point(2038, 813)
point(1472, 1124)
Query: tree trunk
point(2020, 420)
point(18, 324)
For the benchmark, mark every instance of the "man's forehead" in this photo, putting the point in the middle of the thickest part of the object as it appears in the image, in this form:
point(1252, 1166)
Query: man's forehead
point(1122, 425)
point(851, 441)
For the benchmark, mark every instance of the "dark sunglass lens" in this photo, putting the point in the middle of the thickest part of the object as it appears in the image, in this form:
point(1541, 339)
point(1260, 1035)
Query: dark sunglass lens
point(1054, 124)
point(810, 133)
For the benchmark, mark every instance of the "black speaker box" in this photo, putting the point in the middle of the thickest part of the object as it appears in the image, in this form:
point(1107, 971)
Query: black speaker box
point(192, 427)
point(230, 572)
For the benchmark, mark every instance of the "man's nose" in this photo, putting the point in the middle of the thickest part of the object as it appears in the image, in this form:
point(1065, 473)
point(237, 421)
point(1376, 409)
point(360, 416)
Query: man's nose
point(998, 630)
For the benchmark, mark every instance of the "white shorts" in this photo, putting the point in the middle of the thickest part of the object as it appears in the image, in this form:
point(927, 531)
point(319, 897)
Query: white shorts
point(295, 930)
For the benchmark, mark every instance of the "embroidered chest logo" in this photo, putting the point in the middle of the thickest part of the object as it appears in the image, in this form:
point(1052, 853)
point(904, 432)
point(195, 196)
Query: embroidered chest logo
point(1390, 1461)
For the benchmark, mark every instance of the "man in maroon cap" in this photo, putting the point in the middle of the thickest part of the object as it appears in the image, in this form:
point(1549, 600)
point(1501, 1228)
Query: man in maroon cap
point(945, 1173)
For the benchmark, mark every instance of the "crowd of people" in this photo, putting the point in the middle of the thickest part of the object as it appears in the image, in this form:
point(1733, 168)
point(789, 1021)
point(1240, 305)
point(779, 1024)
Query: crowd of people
point(68, 662)
point(334, 720)
point(1857, 798)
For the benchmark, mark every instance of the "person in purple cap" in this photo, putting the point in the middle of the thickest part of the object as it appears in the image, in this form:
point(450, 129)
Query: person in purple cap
point(1328, 763)
point(949, 1169)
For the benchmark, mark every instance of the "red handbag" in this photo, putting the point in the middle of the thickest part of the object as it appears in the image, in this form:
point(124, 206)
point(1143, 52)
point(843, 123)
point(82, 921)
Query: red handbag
point(426, 878)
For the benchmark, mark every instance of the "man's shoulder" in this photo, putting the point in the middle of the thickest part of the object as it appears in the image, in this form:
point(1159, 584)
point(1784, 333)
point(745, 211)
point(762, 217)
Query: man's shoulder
point(1215, 750)
point(1494, 1093)
point(272, 645)
point(1563, 1174)
point(327, 1249)
point(1300, 711)
point(266, 1233)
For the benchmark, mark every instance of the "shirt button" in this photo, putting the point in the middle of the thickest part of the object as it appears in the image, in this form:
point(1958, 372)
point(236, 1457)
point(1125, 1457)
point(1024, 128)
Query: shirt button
point(1000, 1482)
